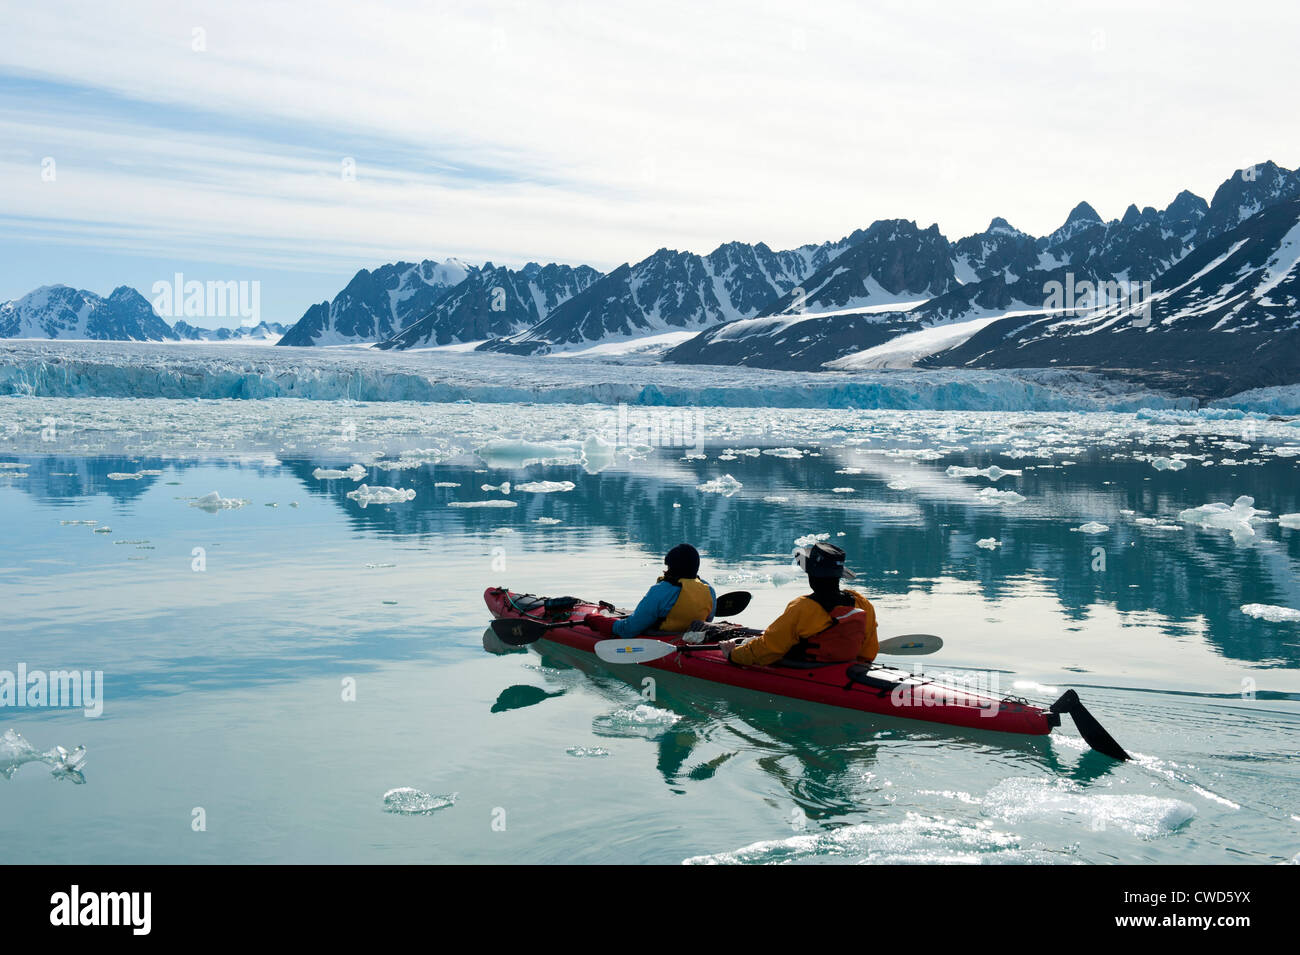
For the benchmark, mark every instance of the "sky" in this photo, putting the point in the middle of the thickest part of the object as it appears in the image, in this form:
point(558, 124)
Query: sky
point(292, 145)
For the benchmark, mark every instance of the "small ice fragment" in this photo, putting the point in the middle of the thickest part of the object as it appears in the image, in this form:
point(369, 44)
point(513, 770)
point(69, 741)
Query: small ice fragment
point(503, 487)
point(644, 721)
point(445, 484)
point(993, 472)
point(495, 502)
point(1092, 527)
point(354, 473)
point(545, 487)
point(1271, 613)
point(548, 520)
point(898, 485)
point(366, 494)
point(843, 490)
point(406, 801)
point(776, 499)
point(1168, 464)
point(807, 540)
point(783, 452)
point(213, 502)
point(587, 751)
point(125, 476)
point(988, 543)
point(993, 496)
point(597, 454)
point(1290, 520)
point(725, 485)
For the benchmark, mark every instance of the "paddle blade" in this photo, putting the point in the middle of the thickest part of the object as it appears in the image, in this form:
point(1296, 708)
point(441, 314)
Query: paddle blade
point(637, 650)
point(1092, 732)
point(516, 632)
point(911, 645)
point(730, 604)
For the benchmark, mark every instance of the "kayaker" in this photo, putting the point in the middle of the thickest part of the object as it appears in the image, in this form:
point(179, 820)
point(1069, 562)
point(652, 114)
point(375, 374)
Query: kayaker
point(677, 599)
point(829, 625)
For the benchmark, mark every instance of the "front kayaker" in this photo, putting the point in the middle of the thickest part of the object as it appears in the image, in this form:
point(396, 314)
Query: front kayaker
point(677, 599)
point(829, 625)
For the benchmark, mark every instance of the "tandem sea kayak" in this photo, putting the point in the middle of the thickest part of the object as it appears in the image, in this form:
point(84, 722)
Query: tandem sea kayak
point(879, 689)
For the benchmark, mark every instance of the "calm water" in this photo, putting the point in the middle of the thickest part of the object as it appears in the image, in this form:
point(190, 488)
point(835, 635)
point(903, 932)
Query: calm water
point(225, 686)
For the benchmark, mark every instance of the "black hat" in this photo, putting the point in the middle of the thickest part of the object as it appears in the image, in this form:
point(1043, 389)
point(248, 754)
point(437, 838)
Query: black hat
point(823, 560)
point(683, 561)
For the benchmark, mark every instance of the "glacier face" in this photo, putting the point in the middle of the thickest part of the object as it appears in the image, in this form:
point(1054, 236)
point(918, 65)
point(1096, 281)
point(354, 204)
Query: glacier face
point(139, 370)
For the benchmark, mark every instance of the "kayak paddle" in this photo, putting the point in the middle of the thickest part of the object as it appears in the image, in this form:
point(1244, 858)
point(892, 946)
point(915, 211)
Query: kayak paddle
point(641, 650)
point(518, 632)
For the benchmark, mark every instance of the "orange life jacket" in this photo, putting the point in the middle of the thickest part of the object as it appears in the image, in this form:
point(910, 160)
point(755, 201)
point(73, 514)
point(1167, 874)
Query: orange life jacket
point(838, 643)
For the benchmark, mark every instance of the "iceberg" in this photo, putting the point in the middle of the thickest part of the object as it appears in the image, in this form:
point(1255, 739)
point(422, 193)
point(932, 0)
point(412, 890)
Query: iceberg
point(365, 495)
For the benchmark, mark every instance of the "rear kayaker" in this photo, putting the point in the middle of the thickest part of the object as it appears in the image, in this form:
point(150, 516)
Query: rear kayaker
point(868, 688)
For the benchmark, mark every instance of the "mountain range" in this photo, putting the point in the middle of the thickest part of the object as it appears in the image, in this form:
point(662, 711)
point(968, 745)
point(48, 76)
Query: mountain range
point(1201, 291)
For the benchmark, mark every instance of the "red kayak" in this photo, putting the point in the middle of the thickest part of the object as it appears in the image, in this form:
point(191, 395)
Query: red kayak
point(876, 689)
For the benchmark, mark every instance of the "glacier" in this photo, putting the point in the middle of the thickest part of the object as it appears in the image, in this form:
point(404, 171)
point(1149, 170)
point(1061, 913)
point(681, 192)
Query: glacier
point(145, 370)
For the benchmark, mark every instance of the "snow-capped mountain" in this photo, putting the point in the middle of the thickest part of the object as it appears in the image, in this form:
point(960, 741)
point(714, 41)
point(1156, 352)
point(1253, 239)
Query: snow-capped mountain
point(262, 331)
point(673, 291)
point(891, 261)
point(1228, 313)
point(377, 305)
point(999, 272)
point(60, 311)
point(494, 302)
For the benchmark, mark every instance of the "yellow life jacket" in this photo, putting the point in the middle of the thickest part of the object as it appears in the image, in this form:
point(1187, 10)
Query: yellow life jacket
point(695, 602)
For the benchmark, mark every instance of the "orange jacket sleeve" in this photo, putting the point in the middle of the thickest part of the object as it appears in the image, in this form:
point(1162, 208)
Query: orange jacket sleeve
point(802, 618)
point(776, 641)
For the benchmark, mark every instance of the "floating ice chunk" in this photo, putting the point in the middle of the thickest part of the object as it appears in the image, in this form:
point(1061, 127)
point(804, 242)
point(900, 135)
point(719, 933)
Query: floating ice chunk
point(64, 764)
point(503, 487)
point(515, 454)
point(747, 452)
point(213, 502)
point(1158, 525)
point(412, 802)
point(548, 520)
point(587, 751)
point(1237, 519)
point(1092, 527)
point(1271, 613)
point(988, 543)
point(784, 452)
point(725, 485)
point(597, 454)
point(1146, 817)
point(843, 490)
point(105, 529)
point(366, 494)
point(644, 721)
point(125, 476)
point(1287, 451)
point(849, 471)
point(545, 487)
point(991, 495)
point(809, 539)
point(446, 484)
point(898, 484)
point(776, 499)
point(690, 456)
point(354, 473)
point(993, 472)
point(1290, 520)
point(495, 502)
point(1168, 464)
point(79, 523)
point(675, 504)
point(502, 531)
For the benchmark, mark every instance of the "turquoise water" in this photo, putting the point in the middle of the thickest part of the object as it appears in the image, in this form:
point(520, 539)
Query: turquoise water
point(229, 689)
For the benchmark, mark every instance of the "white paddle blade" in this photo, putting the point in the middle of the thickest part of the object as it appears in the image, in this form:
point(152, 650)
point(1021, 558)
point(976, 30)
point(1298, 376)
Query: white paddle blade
point(636, 650)
point(911, 645)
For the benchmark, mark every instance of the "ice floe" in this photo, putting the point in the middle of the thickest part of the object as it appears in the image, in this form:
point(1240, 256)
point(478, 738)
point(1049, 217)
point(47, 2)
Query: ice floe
point(213, 502)
point(406, 801)
point(365, 495)
point(1271, 613)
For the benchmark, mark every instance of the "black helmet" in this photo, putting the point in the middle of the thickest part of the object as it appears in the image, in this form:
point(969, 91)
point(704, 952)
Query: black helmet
point(683, 561)
point(823, 560)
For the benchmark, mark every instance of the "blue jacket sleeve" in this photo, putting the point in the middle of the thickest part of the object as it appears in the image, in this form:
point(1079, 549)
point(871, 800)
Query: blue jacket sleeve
point(654, 606)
